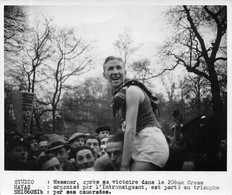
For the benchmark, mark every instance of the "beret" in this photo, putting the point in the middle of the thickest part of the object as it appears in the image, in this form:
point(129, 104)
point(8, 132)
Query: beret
point(105, 128)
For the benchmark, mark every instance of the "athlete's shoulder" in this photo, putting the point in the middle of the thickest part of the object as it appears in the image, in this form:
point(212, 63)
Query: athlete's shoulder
point(134, 88)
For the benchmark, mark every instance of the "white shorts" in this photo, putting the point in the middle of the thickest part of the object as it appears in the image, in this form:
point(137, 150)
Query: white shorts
point(151, 146)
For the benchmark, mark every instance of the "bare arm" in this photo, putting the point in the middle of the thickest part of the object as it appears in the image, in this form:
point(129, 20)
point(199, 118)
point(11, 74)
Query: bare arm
point(134, 96)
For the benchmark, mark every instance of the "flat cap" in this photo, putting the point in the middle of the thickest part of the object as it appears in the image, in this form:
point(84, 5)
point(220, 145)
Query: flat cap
point(75, 136)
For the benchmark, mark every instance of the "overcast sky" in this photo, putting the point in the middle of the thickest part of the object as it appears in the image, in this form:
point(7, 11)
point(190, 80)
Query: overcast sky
point(104, 23)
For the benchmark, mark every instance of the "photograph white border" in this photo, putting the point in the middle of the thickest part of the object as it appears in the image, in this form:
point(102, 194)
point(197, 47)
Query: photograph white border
point(221, 179)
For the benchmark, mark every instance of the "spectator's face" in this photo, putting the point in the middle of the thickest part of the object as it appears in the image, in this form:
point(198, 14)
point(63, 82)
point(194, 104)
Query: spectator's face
point(52, 165)
point(43, 148)
point(104, 141)
point(34, 145)
point(102, 150)
point(61, 153)
point(84, 159)
point(19, 154)
point(104, 134)
point(78, 142)
point(93, 143)
point(114, 72)
point(114, 151)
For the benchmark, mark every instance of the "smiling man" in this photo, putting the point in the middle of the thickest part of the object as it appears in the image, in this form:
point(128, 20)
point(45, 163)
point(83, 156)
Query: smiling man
point(84, 158)
point(114, 71)
point(144, 142)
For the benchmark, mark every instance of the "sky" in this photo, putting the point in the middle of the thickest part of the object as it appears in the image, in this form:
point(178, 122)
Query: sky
point(103, 24)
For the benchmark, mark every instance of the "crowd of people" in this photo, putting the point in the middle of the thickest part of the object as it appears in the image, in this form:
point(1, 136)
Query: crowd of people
point(100, 151)
point(139, 145)
point(79, 152)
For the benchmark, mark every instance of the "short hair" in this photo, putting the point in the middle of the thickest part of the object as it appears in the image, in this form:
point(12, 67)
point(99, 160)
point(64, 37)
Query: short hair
point(92, 137)
point(117, 137)
point(109, 58)
point(84, 147)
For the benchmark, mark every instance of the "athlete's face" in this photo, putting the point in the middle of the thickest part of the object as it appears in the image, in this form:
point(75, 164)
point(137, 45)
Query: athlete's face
point(114, 72)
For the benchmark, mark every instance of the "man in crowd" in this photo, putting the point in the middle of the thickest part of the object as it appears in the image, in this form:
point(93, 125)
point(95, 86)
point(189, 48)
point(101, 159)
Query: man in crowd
point(84, 158)
point(103, 131)
point(34, 147)
point(43, 143)
point(93, 142)
point(77, 139)
point(103, 142)
point(58, 147)
point(112, 160)
point(49, 162)
point(114, 149)
point(17, 155)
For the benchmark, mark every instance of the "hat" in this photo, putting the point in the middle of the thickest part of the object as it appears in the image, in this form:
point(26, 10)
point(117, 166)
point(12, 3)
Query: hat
point(17, 142)
point(43, 141)
point(99, 129)
point(55, 141)
point(76, 136)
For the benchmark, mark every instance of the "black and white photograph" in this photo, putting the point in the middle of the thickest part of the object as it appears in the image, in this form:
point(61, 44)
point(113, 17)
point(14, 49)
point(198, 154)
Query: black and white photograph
point(115, 97)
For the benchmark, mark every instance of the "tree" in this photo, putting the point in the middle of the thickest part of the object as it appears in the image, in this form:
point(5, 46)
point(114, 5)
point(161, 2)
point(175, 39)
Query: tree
point(71, 57)
point(8, 107)
point(15, 25)
point(28, 68)
point(125, 45)
point(88, 105)
point(141, 69)
point(199, 45)
point(48, 59)
point(200, 51)
point(195, 90)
